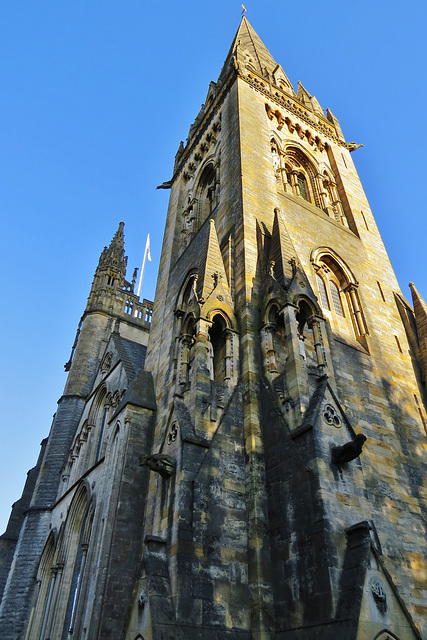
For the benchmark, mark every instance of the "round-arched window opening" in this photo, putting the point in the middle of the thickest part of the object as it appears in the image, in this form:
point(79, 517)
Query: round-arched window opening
point(217, 339)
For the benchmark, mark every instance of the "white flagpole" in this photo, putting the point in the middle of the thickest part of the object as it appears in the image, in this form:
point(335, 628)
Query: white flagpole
point(146, 254)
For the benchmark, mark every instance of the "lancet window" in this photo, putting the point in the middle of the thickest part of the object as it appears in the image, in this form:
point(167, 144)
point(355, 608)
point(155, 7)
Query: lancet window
point(217, 349)
point(62, 575)
point(206, 193)
point(338, 296)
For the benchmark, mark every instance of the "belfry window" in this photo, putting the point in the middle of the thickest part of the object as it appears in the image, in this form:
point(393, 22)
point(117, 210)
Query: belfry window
point(339, 298)
point(206, 193)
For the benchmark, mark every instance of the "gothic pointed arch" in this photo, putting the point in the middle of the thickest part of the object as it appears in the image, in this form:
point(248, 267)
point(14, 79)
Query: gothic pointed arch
point(73, 554)
point(385, 634)
point(300, 171)
point(97, 422)
point(187, 296)
point(221, 346)
point(338, 294)
point(47, 575)
point(206, 191)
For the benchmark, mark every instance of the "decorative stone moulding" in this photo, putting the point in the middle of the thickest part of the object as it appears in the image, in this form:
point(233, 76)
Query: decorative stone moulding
point(379, 595)
point(206, 143)
point(330, 416)
point(294, 127)
point(173, 433)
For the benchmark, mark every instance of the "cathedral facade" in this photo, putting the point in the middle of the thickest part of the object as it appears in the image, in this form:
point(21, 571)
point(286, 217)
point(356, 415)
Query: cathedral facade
point(245, 458)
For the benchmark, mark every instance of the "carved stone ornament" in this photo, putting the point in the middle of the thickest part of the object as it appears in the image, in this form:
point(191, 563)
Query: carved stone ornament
point(142, 599)
point(106, 363)
point(379, 595)
point(173, 433)
point(330, 416)
point(349, 451)
point(160, 463)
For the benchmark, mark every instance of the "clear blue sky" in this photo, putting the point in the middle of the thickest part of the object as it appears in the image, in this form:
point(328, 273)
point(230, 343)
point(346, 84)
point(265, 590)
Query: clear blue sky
point(96, 96)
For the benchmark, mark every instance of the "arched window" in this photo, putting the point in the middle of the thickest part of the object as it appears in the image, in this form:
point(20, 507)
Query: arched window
point(47, 580)
point(206, 193)
point(217, 339)
point(339, 297)
point(275, 157)
point(220, 349)
point(301, 176)
point(56, 612)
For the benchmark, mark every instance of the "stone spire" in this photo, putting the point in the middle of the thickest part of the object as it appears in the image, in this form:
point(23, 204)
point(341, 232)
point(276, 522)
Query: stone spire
point(248, 49)
point(113, 258)
point(420, 311)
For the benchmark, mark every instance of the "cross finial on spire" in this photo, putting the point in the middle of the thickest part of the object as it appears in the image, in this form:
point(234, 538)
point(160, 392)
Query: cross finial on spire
point(244, 10)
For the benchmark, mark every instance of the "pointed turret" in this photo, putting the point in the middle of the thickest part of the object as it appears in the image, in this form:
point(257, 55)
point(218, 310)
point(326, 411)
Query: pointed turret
point(308, 100)
point(282, 252)
point(420, 311)
point(113, 297)
point(211, 271)
point(113, 258)
point(111, 270)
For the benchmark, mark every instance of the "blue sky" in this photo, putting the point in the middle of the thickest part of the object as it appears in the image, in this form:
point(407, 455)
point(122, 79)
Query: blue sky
point(96, 96)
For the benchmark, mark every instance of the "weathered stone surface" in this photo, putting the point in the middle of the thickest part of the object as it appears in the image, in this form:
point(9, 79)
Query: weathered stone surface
point(279, 337)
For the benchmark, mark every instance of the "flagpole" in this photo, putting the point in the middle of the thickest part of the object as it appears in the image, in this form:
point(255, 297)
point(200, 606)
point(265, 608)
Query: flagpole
point(141, 275)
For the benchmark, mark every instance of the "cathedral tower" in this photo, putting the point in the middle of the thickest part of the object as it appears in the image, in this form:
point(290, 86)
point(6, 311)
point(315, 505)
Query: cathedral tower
point(261, 475)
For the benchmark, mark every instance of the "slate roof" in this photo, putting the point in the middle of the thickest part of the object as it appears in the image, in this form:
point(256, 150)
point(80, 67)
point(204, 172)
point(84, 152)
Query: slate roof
point(132, 354)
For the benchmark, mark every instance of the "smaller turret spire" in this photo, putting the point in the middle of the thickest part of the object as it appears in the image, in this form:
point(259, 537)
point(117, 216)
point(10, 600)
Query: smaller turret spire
point(113, 258)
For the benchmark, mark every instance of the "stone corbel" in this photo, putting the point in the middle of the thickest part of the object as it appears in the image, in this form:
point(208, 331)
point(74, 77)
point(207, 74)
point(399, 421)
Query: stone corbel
point(349, 451)
point(159, 463)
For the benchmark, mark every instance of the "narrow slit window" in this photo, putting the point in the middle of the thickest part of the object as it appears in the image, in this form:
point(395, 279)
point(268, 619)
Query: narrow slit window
point(381, 291)
point(398, 343)
point(336, 299)
point(364, 220)
point(343, 159)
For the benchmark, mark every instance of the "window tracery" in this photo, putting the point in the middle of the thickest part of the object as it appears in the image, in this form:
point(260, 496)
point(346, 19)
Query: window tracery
point(200, 201)
point(338, 295)
point(303, 177)
point(61, 575)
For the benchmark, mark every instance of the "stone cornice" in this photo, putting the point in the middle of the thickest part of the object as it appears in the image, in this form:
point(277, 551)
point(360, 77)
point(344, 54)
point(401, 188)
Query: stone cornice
point(291, 104)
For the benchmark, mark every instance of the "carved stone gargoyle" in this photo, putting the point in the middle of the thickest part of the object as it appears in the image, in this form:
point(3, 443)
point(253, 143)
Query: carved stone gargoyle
point(349, 451)
point(160, 463)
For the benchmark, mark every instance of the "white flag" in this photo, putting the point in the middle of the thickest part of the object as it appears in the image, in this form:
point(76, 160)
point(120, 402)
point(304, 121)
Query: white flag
point(147, 248)
point(147, 254)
